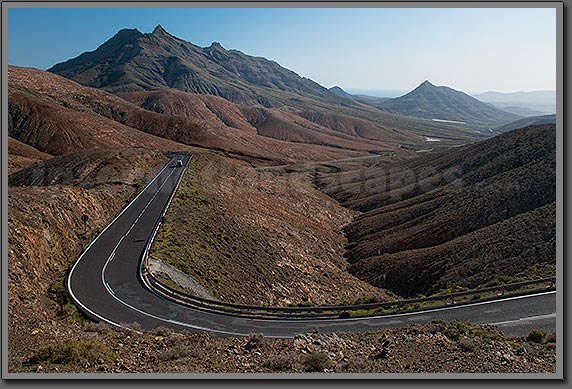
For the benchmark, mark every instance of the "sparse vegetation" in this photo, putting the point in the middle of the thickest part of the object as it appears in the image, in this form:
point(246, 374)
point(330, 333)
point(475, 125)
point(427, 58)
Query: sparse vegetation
point(316, 361)
point(534, 272)
point(211, 235)
point(99, 327)
point(416, 348)
point(75, 351)
point(483, 214)
point(536, 336)
point(67, 310)
point(461, 330)
point(467, 344)
point(175, 352)
point(162, 331)
point(254, 341)
point(280, 363)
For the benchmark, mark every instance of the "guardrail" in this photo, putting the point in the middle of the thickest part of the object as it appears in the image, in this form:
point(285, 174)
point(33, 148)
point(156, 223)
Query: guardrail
point(156, 286)
point(333, 311)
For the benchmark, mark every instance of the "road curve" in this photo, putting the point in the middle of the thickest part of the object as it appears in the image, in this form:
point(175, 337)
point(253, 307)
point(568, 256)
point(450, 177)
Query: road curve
point(105, 284)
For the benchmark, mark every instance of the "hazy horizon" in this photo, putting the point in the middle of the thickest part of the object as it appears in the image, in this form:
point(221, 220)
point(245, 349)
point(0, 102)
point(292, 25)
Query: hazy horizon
point(376, 49)
point(397, 93)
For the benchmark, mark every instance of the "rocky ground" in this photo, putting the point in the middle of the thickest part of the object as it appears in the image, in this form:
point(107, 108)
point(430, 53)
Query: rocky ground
point(46, 235)
point(432, 348)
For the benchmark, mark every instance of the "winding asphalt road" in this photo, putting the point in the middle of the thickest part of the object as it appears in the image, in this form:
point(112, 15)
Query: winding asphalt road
point(105, 284)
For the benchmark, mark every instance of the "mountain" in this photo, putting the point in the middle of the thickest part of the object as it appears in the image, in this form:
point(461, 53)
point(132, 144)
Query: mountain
point(366, 99)
point(132, 61)
point(372, 100)
point(340, 92)
point(540, 102)
point(460, 217)
point(544, 119)
point(443, 103)
point(518, 110)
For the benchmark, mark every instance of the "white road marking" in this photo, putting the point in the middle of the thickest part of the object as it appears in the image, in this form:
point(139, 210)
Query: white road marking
point(431, 310)
point(522, 319)
point(112, 293)
point(70, 289)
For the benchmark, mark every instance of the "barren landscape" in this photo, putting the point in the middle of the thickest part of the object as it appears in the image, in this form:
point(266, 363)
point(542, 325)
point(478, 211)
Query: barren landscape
point(295, 196)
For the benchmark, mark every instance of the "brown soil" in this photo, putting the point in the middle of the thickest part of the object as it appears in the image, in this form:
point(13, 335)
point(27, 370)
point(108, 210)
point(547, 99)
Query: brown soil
point(22, 155)
point(432, 348)
point(256, 238)
point(46, 235)
point(463, 217)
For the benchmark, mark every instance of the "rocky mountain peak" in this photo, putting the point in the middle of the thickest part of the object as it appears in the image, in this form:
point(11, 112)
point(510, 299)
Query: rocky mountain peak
point(159, 30)
point(426, 84)
point(126, 35)
point(216, 45)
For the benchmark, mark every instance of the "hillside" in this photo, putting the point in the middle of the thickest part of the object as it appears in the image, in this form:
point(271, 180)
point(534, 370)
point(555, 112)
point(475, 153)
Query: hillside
point(57, 116)
point(88, 169)
point(21, 155)
point(225, 214)
point(132, 61)
point(543, 119)
point(443, 103)
point(457, 218)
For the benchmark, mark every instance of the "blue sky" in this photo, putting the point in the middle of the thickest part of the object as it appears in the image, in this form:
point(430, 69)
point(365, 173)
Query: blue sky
point(473, 50)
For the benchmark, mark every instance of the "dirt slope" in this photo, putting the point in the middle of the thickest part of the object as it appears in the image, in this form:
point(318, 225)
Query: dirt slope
point(256, 238)
point(22, 155)
point(457, 218)
point(46, 233)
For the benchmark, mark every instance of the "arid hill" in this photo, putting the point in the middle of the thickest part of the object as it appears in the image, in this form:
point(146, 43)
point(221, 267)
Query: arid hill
point(258, 238)
point(132, 61)
point(529, 121)
point(88, 169)
point(21, 155)
point(457, 218)
point(58, 116)
point(240, 122)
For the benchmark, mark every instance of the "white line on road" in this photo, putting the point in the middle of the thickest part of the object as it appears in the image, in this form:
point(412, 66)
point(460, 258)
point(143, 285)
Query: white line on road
point(72, 294)
point(530, 318)
point(112, 292)
point(431, 310)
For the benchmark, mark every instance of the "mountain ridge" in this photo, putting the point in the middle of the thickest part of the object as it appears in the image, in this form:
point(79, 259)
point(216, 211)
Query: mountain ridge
point(133, 61)
point(443, 103)
point(540, 102)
